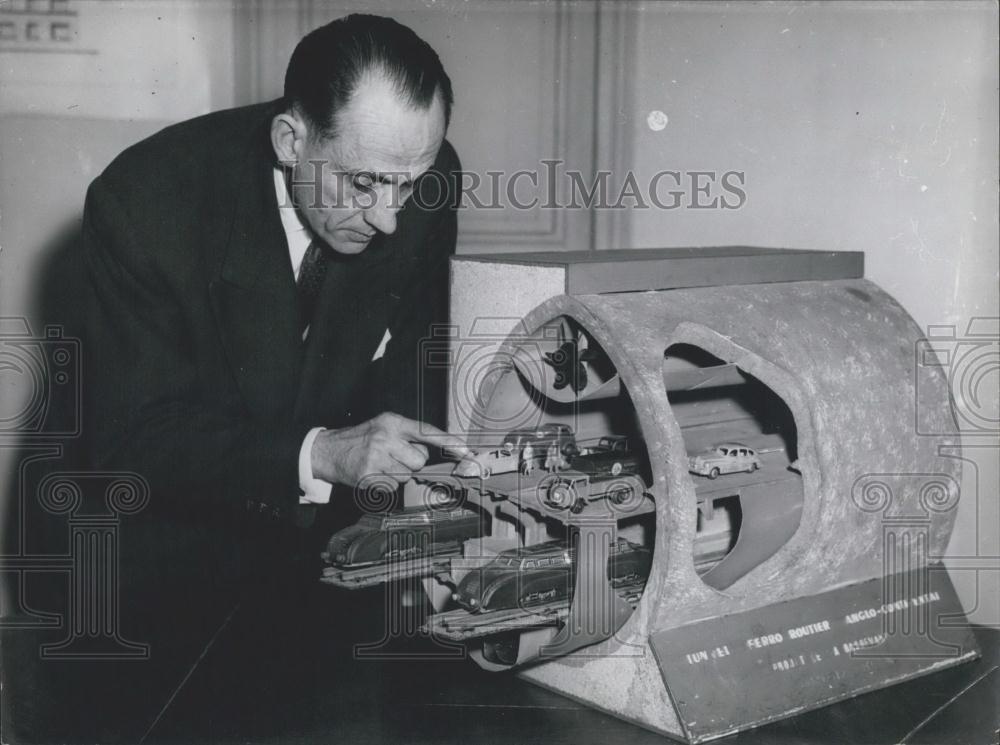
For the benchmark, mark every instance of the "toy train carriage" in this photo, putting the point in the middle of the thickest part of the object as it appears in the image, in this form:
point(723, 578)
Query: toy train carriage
point(412, 533)
point(543, 573)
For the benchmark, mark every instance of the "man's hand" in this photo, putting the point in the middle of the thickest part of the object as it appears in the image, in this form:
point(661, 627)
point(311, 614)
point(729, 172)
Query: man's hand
point(389, 445)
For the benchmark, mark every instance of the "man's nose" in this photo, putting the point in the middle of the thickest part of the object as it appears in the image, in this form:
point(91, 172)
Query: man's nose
point(382, 214)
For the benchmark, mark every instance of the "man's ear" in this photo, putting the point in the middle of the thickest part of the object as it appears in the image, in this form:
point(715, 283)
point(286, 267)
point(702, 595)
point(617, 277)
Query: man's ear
point(288, 134)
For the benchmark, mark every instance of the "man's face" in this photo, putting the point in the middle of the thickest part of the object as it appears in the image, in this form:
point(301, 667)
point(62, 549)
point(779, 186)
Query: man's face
point(382, 145)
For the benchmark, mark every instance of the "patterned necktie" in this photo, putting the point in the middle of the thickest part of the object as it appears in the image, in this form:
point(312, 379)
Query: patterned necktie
point(310, 281)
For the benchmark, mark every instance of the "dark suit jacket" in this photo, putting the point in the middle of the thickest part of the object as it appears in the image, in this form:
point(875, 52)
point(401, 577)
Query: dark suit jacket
point(199, 380)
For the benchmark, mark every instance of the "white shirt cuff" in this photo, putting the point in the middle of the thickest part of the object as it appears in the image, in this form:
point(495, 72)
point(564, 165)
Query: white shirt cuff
point(314, 491)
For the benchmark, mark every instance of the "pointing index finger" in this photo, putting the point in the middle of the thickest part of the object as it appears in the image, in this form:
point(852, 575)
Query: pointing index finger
point(429, 434)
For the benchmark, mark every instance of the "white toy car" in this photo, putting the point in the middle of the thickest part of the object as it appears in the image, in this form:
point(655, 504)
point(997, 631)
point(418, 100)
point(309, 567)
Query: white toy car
point(726, 457)
point(488, 462)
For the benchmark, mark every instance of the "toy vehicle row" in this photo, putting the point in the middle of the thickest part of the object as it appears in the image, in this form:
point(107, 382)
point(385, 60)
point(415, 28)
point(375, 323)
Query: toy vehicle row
point(411, 533)
point(508, 457)
point(609, 457)
point(543, 573)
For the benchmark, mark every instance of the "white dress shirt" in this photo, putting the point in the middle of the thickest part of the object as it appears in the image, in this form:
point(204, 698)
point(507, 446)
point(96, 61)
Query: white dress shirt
point(299, 236)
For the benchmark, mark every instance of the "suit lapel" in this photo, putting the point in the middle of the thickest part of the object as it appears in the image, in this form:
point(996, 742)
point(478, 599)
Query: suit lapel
point(254, 295)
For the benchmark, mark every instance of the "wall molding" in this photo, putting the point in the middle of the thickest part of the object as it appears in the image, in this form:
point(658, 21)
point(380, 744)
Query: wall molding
point(614, 111)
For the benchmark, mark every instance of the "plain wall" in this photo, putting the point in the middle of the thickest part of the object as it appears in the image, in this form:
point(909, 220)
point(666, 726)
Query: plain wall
point(63, 117)
point(859, 126)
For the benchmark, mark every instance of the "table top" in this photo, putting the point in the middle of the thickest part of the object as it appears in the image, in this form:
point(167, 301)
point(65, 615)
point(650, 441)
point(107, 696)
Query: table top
point(285, 668)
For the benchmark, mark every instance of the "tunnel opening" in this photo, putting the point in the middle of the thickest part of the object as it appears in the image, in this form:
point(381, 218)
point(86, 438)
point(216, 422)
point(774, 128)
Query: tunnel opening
point(741, 446)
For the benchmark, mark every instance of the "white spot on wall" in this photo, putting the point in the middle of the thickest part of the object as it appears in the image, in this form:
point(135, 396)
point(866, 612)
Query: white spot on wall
point(656, 120)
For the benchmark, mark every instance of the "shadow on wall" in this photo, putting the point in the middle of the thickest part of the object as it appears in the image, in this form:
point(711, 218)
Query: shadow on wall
point(86, 588)
point(42, 359)
point(48, 162)
point(49, 416)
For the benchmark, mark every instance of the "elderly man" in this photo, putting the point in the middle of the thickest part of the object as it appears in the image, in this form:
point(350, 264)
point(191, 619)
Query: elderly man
point(234, 323)
point(261, 281)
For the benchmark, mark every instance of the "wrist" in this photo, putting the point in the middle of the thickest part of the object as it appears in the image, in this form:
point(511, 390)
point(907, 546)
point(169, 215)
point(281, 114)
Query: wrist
point(321, 457)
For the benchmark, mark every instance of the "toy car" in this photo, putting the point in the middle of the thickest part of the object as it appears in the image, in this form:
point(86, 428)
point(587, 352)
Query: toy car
point(612, 442)
point(411, 533)
point(572, 490)
point(507, 458)
point(488, 462)
point(726, 457)
point(605, 461)
point(543, 573)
